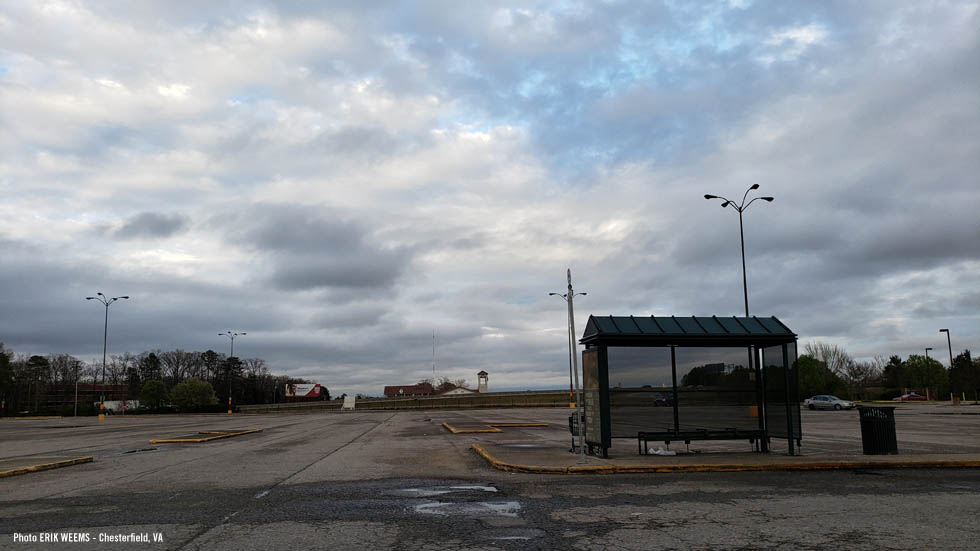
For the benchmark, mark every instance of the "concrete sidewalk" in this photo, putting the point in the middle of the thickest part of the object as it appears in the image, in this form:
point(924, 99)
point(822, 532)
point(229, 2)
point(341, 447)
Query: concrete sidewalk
point(547, 458)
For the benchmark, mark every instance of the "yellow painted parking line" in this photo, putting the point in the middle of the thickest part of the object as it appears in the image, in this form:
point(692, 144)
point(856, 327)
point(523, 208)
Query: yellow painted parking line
point(724, 467)
point(454, 430)
point(214, 435)
point(4, 472)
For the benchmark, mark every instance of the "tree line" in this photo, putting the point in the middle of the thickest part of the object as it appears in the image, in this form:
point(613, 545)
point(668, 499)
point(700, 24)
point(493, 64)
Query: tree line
point(48, 384)
point(829, 369)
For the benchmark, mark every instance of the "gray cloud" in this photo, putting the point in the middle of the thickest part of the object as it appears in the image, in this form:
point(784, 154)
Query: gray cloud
point(316, 248)
point(151, 225)
point(351, 178)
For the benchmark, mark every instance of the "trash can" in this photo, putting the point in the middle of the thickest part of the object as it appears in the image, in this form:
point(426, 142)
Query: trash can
point(878, 430)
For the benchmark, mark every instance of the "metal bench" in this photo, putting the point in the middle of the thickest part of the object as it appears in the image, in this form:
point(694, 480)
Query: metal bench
point(668, 436)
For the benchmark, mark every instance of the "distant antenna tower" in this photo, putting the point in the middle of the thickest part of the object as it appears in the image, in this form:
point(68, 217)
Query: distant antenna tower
point(433, 356)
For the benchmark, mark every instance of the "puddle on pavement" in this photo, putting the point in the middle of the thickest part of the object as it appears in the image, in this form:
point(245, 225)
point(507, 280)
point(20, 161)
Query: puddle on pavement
point(469, 508)
point(440, 490)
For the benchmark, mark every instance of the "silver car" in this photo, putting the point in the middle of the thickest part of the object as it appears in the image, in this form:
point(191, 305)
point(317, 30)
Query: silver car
point(825, 401)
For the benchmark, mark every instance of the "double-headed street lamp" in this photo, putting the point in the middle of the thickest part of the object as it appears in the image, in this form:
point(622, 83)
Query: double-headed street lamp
point(232, 336)
point(105, 338)
point(741, 208)
point(950, 345)
point(573, 352)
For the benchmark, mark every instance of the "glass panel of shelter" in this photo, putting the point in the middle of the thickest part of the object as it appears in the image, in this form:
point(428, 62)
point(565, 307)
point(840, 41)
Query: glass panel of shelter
point(715, 390)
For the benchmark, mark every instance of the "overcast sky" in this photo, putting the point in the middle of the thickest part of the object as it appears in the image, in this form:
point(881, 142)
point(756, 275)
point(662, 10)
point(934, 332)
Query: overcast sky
point(342, 182)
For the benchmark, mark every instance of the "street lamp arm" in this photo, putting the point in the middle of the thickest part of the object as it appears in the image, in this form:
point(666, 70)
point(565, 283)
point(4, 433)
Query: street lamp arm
point(766, 199)
point(753, 186)
point(718, 197)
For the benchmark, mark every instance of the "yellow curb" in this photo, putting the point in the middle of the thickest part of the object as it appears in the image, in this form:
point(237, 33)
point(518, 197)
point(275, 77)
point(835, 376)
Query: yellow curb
point(46, 466)
point(721, 467)
point(505, 425)
point(35, 418)
point(454, 430)
point(216, 436)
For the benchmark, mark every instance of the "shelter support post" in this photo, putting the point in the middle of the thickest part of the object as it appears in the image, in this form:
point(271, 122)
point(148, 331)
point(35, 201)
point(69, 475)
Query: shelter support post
point(789, 401)
point(760, 397)
point(673, 375)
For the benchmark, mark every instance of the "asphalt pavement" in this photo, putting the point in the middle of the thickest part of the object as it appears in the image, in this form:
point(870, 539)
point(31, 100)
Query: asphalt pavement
point(400, 480)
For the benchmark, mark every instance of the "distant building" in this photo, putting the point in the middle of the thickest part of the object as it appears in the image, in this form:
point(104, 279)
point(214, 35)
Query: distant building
point(398, 391)
point(482, 378)
point(457, 391)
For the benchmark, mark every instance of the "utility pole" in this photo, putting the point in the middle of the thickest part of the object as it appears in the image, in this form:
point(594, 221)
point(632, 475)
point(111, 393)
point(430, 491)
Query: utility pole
point(578, 388)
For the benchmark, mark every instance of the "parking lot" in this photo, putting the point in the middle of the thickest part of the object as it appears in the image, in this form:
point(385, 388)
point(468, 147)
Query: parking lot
point(390, 480)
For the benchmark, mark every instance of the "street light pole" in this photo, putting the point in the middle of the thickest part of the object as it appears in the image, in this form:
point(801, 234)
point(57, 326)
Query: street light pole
point(950, 345)
point(740, 208)
point(231, 336)
point(76, 390)
point(569, 296)
point(105, 340)
point(571, 337)
point(928, 348)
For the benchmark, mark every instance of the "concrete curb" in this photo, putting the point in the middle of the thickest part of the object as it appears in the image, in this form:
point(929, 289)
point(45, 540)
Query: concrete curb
point(46, 466)
point(34, 418)
point(506, 425)
point(215, 435)
point(722, 467)
point(454, 430)
point(492, 427)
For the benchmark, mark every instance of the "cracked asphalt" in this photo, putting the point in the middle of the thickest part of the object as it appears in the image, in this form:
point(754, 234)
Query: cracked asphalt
point(396, 480)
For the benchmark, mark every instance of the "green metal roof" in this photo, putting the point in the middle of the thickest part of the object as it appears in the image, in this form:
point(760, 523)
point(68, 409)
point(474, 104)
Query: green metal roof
point(688, 330)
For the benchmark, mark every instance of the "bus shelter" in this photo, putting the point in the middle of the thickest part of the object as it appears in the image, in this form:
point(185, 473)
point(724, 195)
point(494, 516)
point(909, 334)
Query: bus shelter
point(678, 379)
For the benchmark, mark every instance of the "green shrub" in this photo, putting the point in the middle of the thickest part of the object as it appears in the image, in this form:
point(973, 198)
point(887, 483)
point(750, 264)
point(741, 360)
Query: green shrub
point(153, 394)
point(192, 395)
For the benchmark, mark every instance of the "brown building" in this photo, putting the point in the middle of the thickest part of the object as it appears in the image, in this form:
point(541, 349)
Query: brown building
point(397, 391)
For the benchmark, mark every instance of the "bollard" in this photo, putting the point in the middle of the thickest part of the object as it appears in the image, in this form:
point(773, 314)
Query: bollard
point(229, 405)
point(101, 411)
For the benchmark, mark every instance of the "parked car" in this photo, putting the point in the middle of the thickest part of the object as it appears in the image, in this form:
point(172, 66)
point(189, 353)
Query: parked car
point(825, 401)
point(910, 397)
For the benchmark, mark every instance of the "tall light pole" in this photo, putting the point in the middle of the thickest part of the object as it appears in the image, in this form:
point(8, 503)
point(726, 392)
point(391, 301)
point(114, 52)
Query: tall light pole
point(928, 348)
point(105, 339)
point(231, 336)
point(571, 337)
point(569, 297)
point(741, 208)
point(78, 365)
point(950, 345)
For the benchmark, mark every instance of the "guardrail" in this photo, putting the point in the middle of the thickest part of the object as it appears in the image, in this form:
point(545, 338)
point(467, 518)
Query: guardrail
point(531, 398)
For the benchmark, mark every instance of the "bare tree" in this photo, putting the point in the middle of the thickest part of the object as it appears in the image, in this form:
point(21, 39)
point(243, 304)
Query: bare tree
point(834, 357)
point(255, 367)
point(864, 373)
point(116, 369)
point(176, 363)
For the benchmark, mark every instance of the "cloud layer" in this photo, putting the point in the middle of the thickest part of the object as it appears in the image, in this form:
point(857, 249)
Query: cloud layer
point(343, 182)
